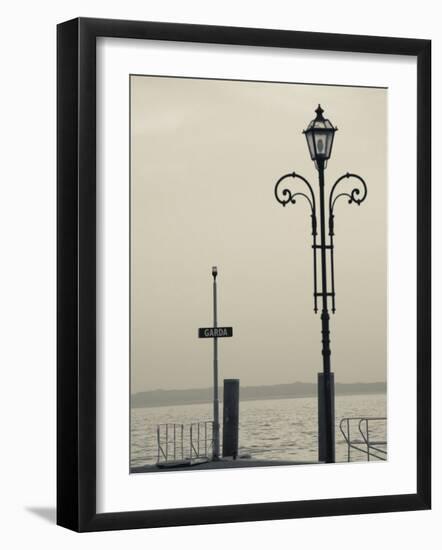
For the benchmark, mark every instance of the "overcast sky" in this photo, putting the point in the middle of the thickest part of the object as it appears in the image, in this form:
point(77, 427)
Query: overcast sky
point(205, 156)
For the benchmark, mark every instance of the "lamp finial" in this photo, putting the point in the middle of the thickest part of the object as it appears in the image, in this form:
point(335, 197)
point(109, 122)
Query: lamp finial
point(319, 112)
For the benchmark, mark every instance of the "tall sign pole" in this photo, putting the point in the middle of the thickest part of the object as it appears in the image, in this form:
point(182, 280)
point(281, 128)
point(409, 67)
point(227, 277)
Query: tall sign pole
point(215, 370)
point(215, 332)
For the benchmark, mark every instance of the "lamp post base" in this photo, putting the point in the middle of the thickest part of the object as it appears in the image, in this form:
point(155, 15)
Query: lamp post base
point(326, 417)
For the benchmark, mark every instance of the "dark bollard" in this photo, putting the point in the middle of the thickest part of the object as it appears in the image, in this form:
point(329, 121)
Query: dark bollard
point(323, 392)
point(231, 417)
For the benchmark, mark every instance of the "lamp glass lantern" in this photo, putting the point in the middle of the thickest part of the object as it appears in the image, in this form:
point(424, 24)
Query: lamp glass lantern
point(319, 134)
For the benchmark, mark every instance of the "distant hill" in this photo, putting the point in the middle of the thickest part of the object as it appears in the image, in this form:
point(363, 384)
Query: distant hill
point(160, 398)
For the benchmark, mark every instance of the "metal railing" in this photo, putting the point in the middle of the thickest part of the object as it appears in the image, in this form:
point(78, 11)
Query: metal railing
point(201, 440)
point(368, 440)
point(184, 443)
point(170, 442)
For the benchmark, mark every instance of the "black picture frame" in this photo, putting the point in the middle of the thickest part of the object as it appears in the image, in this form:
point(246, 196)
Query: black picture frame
point(76, 274)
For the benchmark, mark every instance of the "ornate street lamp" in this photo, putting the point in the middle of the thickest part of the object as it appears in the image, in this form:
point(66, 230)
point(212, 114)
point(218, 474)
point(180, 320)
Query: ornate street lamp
point(320, 134)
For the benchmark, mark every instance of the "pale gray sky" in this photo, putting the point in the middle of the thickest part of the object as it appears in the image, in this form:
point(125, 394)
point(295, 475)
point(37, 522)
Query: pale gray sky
point(205, 156)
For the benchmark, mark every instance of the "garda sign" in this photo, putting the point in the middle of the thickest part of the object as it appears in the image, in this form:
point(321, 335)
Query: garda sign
point(212, 332)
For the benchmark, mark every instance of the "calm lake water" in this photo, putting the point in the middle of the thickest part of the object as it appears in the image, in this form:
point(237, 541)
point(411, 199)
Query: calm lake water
point(277, 429)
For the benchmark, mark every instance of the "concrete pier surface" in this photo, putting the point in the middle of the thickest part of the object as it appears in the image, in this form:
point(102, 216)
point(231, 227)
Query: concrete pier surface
point(214, 465)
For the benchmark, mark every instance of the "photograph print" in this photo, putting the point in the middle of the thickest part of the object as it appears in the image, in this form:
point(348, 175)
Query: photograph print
point(258, 274)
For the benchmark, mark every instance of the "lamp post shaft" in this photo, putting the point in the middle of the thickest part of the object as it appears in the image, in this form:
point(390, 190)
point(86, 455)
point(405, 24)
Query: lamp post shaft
point(326, 418)
point(216, 451)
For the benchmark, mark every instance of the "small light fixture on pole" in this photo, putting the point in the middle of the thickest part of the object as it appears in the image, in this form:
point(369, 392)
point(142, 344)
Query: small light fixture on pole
point(215, 332)
point(216, 438)
point(320, 135)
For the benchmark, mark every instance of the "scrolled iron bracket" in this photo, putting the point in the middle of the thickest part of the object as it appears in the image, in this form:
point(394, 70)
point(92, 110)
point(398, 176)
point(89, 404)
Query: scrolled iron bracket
point(357, 194)
point(285, 195)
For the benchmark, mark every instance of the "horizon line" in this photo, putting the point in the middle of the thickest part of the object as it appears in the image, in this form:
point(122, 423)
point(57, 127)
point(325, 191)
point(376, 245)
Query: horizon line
point(258, 386)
